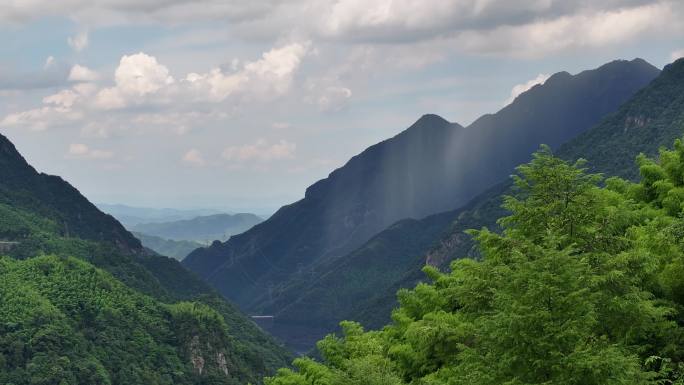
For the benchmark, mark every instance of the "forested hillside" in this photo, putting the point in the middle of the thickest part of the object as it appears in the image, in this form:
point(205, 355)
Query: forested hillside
point(66, 322)
point(123, 315)
point(583, 286)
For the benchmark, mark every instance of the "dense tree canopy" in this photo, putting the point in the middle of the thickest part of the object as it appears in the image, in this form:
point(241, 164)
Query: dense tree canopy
point(65, 322)
point(583, 286)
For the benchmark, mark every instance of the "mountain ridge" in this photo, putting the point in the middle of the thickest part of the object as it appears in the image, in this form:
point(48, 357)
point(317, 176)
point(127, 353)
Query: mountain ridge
point(342, 212)
point(205, 229)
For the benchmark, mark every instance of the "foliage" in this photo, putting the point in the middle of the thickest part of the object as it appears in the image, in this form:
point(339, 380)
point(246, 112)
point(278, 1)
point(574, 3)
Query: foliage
point(583, 286)
point(53, 334)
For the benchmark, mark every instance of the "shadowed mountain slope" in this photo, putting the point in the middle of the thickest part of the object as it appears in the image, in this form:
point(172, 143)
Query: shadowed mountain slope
point(431, 167)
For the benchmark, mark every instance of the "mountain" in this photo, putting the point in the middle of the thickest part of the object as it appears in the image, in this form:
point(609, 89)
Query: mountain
point(583, 286)
point(82, 301)
point(130, 215)
point(50, 196)
point(169, 247)
point(204, 229)
point(652, 118)
point(431, 167)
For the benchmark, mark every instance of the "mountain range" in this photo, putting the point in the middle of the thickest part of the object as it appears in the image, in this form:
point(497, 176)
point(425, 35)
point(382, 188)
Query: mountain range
point(652, 118)
point(203, 229)
point(132, 215)
point(168, 247)
point(288, 265)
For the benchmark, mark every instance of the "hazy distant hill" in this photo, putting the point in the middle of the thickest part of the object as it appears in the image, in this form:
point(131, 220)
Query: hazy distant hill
point(432, 166)
point(130, 216)
point(168, 247)
point(203, 229)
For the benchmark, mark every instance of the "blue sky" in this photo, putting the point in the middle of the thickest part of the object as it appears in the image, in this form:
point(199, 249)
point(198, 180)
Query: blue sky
point(242, 105)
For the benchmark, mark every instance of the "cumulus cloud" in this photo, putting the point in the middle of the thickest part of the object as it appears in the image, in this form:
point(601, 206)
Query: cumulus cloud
point(80, 73)
point(79, 41)
point(261, 151)
point(82, 151)
point(136, 76)
point(271, 75)
point(58, 109)
point(193, 157)
point(141, 82)
point(524, 87)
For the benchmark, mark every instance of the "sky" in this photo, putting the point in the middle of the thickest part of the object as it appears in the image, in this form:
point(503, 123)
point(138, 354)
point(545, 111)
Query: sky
point(241, 105)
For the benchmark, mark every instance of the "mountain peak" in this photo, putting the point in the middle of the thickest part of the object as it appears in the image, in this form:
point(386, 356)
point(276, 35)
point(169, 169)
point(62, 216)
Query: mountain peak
point(430, 120)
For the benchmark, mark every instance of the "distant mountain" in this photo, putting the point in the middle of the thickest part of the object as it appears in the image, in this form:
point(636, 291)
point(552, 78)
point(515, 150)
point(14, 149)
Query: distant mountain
point(203, 229)
point(652, 118)
point(431, 167)
point(130, 216)
point(168, 247)
point(100, 308)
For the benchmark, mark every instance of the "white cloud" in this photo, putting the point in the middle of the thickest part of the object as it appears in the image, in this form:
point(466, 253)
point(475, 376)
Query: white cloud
point(141, 82)
point(677, 54)
point(78, 42)
point(261, 151)
point(269, 76)
point(63, 100)
point(193, 157)
point(36, 119)
point(140, 79)
point(136, 76)
point(82, 151)
point(140, 74)
point(79, 73)
point(524, 87)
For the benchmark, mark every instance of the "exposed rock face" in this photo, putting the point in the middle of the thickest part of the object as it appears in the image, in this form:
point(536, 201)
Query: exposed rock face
point(222, 362)
point(196, 355)
point(199, 350)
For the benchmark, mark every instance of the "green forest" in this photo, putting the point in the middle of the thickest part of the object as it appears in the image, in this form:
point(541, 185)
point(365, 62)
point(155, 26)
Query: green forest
point(582, 286)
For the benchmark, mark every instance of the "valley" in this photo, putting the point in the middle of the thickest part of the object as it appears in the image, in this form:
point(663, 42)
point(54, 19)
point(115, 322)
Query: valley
point(342, 192)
